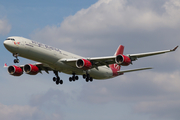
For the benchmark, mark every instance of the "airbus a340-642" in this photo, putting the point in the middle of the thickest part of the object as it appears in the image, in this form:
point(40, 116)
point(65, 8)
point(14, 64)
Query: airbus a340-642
point(56, 60)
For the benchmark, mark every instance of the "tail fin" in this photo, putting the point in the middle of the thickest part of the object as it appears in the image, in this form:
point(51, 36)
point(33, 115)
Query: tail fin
point(5, 65)
point(115, 67)
point(120, 50)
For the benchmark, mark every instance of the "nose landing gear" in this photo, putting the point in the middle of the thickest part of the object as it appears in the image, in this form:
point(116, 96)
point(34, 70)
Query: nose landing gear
point(16, 56)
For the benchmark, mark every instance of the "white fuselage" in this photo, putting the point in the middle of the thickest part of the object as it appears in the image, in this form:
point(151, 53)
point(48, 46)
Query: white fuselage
point(52, 57)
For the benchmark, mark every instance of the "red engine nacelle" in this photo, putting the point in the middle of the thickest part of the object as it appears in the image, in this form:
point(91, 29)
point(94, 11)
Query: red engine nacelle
point(31, 69)
point(83, 64)
point(123, 60)
point(15, 70)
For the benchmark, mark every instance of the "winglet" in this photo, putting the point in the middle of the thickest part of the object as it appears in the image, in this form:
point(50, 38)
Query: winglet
point(175, 48)
point(5, 65)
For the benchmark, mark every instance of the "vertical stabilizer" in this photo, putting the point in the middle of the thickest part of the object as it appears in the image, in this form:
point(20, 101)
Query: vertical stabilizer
point(116, 67)
point(120, 50)
point(5, 65)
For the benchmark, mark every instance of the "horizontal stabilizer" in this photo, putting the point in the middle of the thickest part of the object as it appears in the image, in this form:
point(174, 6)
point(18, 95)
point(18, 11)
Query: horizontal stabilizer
point(133, 70)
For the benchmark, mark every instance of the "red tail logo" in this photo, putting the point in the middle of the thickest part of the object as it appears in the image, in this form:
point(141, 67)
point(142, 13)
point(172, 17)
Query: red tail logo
point(5, 65)
point(116, 67)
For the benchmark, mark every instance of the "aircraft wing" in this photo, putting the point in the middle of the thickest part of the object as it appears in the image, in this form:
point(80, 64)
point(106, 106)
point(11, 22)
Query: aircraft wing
point(140, 55)
point(44, 67)
point(96, 61)
point(101, 61)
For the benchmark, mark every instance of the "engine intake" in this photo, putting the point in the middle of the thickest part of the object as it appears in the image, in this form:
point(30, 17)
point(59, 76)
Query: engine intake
point(83, 64)
point(15, 70)
point(123, 60)
point(31, 69)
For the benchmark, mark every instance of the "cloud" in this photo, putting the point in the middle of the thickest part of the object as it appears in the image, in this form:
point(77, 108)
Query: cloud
point(99, 29)
point(137, 86)
point(5, 27)
point(17, 112)
point(110, 22)
point(110, 15)
point(118, 14)
point(52, 100)
point(163, 109)
point(155, 94)
point(30, 103)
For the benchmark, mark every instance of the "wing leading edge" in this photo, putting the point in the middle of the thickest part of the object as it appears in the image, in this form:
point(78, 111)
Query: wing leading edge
point(101, 61)
point(140, 55)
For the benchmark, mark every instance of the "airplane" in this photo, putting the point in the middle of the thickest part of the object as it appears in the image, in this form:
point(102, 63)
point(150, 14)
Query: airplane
point(56, 60)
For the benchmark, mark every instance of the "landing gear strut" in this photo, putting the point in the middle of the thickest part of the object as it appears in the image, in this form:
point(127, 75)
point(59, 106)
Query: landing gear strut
point(16, 56)
point(73, 78)
point(57, 78)
point(87, 77)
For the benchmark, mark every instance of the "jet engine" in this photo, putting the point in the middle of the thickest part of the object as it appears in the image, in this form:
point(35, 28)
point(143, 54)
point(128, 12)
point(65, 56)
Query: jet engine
point(15, 70)
point(83, 64)
point(123, 60)
point(31, 69)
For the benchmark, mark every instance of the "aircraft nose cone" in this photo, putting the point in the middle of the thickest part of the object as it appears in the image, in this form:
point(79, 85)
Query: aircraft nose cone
point(5, 43)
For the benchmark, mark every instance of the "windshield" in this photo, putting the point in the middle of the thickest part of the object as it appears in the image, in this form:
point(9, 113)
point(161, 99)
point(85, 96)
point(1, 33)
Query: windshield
point(10, 39)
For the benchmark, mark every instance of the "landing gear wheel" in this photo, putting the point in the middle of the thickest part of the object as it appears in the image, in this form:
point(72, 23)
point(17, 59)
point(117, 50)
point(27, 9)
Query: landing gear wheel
point(84, 76)
point(16, 60)
point(57, 78)
point(87, 80)
point(54, 79)
point(91, 79)
point(57, 82)
point(76, 77)
point(61, 82)
point(87, 77)
point(70, 79)
point(73, 78)
point(16, 56)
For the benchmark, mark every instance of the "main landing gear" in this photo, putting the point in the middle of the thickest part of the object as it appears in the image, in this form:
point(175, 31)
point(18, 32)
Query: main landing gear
point(87, 77)
point(16, 56)
point(73, 78)
point(57, 78)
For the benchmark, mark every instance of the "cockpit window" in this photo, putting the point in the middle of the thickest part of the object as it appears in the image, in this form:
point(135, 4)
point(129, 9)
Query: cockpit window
point(10, 39)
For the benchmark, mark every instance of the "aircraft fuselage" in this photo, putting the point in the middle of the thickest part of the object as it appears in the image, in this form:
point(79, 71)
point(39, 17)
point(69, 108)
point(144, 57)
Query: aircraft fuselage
point(52, 57)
